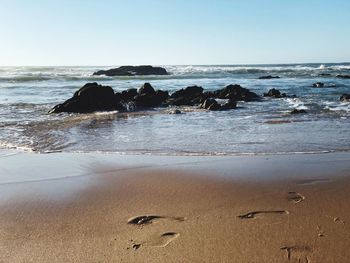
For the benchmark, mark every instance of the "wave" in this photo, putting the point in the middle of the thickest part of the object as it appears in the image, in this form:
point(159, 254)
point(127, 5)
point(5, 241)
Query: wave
point(39, 74)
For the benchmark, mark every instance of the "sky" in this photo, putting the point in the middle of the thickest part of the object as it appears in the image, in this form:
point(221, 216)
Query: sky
point(174, 32)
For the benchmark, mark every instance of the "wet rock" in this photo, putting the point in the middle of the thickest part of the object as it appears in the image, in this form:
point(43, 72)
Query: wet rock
point(189, 96)
point(275, 93)
point(189, 92)
point(147, 101)
point(181, 101)
point(343, 76)
point(162, 94)
point(345, 97)
point(208, 102)
point(269, 77)
point(133, 71)
point(146, 89)
point(129, 94)
point(318, 85)
point(324, 74)
point(212, 104)
point(236, 93)
point(296, 111)
point(231, 104)
point(148, 97)
point(91, 97)
point(174, 112)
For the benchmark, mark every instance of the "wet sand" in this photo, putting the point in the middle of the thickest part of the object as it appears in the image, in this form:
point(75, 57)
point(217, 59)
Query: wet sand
point(110, 208)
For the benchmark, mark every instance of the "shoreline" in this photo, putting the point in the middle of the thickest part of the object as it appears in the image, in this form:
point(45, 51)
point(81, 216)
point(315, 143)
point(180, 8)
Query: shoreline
point(117, 208)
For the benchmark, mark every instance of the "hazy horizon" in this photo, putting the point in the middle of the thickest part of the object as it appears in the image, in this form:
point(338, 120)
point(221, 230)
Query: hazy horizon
point(222, 65)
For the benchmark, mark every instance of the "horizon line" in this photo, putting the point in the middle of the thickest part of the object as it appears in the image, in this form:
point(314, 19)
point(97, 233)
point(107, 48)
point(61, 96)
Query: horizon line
point(142, 64)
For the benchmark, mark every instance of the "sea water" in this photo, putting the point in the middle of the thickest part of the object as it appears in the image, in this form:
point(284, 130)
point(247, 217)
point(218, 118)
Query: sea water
point(264, 127)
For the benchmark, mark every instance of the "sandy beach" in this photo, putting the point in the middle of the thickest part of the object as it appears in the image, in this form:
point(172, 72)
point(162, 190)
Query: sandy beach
point(113, 208)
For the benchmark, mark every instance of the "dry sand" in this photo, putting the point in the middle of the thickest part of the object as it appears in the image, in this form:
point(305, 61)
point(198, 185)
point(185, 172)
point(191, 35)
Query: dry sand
point(228, 209)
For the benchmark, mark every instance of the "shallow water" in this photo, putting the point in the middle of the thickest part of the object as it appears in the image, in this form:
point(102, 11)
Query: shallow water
point(27, 93)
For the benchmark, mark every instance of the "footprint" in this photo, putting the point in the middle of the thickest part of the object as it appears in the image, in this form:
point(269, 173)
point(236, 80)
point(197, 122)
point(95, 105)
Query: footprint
point(297, 253)
point(338, 220)
point(295, 197)
point(156, 240)
point(148, 219)
point(312, 181)
point(253, 214)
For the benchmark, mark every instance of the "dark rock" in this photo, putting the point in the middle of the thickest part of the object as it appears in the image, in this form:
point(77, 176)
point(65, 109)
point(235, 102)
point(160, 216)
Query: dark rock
point(236, 93)
point(118, 97)
point(318, 85)
point(229, 105)
point(146, 89)
point(162, 94)
point(148, 97)
point(211, 104)
point(324, 74)
point(274, 93)
point(343, 76)
point(189, 96)
point(189, 92)
point(129, 94)
point(207, 103)
point(215, 106)
point(145, 100)
point(345, 97)
point(296, 111)
point(180, 101)
point(174, 112)
point(91, 97)
point(133, 71)
point(269, 77)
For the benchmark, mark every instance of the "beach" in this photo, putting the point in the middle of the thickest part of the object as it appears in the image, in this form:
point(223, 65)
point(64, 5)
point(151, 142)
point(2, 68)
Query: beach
point(76, 207)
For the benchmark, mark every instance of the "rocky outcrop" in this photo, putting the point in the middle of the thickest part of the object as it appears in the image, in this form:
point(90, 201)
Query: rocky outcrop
point(133, 71)
point(94, 97)
point(269, 77)
point(345, 97)
point(91, 97)
point(275, 93)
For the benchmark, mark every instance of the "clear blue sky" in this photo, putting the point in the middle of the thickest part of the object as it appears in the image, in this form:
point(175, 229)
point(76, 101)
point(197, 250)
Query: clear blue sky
point(106, 32)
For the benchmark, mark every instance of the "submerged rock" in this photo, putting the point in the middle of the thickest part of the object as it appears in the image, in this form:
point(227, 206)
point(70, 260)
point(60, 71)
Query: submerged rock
point(318, 85)
point(296, 111)
point(91, 97)
point(345, 97)
point(269, 77)
point(343, 76)
point(231, 104)
point(324, 74)
point(212, 104)
point(174, 112)
point(275, 93)
point(133, 71)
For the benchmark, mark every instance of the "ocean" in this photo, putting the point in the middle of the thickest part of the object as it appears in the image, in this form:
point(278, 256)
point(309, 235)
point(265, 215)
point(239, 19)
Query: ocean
point(264, 127)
